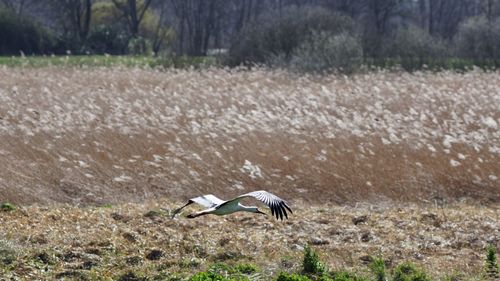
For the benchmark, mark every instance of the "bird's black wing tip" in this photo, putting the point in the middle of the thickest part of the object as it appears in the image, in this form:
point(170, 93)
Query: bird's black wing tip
point(284, 210)
point(287, 207)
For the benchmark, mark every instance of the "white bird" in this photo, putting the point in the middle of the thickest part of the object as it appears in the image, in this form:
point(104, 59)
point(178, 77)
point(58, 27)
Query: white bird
point(220, 207)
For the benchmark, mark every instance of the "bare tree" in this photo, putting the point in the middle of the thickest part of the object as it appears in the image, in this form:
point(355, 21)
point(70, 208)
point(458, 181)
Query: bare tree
point(488, 8)
point(376, 16)
point(161, 30)
point(75, 16)
point(203, 24)
point(199, 23)
point(380, 11)
point(134, 12)
point(244, 13)
point(18, 6)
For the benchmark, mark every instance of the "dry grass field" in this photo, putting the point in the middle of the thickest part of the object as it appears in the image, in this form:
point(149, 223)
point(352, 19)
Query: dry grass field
point(89, 155)
point(108, 135)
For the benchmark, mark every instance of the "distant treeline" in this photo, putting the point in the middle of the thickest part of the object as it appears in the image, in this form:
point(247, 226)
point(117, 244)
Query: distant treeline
point(311, 35)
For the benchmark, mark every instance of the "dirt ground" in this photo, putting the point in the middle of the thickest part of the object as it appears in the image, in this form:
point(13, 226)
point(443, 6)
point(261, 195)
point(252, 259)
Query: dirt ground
point(65, 241)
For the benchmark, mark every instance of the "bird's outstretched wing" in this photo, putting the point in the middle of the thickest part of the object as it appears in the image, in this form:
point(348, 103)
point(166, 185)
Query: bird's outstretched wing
point(277, 205)
point(208, 201)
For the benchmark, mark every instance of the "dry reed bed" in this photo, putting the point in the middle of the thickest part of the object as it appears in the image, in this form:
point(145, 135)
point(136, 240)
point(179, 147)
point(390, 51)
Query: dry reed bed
point(102, 135)
point(95, 242)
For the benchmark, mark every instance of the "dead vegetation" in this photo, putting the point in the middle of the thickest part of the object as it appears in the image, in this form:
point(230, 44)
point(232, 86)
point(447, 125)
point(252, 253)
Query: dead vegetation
point(107, 135)
point(107, 242)
point(396, 165)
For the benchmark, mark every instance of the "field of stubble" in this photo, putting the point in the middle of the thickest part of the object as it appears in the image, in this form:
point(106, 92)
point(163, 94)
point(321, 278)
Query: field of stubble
point(89, 155)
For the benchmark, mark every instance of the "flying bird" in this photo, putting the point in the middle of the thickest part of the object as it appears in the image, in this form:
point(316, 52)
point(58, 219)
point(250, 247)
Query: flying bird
point(220, 207)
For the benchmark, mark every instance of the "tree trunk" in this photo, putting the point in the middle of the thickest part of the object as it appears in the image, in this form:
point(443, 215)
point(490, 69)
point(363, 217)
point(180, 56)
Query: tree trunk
point(182, 32)
point(84, 30)
point(133, 14)
point(134, 22)
point(241, 18)
point(423, 13)
point(431, 16)
point(209, 26)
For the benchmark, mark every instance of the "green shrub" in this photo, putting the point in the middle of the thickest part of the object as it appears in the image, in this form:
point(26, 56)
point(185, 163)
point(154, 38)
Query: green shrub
point(152, 37)
point(246, 268)
point(6, 207)
point(207, 276)
point(139, 46)
point(477, 39)
point(324, 277)
point(283, 276)
point(377, 267)
point(213, 276)
point(22, 35)
point(278, 34)
point(409, 272)
point(108, 39)
point(220, 268)
point(415, 47)
point(311, 263)
point(491, 266)
point(325, 52)
point(342, 276)
point(231, 273)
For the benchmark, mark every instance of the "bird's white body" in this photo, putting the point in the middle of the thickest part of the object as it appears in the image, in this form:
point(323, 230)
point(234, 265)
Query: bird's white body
point(227, 209)
point(220, 207)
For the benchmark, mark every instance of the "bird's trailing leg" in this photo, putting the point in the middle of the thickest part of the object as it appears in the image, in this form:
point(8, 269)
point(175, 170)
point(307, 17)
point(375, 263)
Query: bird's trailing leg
point(176, 211)
point(197, 214)
point(260, 212)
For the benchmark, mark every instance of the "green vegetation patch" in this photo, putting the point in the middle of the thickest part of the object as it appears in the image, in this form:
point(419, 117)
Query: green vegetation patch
point(43, 61)
point(311, 263)
point(7, 207)
point(409, 272)
point(208, 276)
point(223, 271)
point(246, 268)
point(342, 276)
point(377, 267)
point(491, 266)
point(108, 61)
point(283, 276)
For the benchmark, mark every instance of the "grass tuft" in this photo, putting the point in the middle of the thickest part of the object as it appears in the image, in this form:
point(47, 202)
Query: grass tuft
point(377, 267)
point(491, 266)
point(131, 276)
point(246, 268)
point(409, 272)
point(8, 255)
point(283, 276)
point(220, 268)
point(7, 207)
point(311, 263)
point(212, 276)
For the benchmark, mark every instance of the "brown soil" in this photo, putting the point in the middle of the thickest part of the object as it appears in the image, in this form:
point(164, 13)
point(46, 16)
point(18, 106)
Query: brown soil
point(110, 241)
